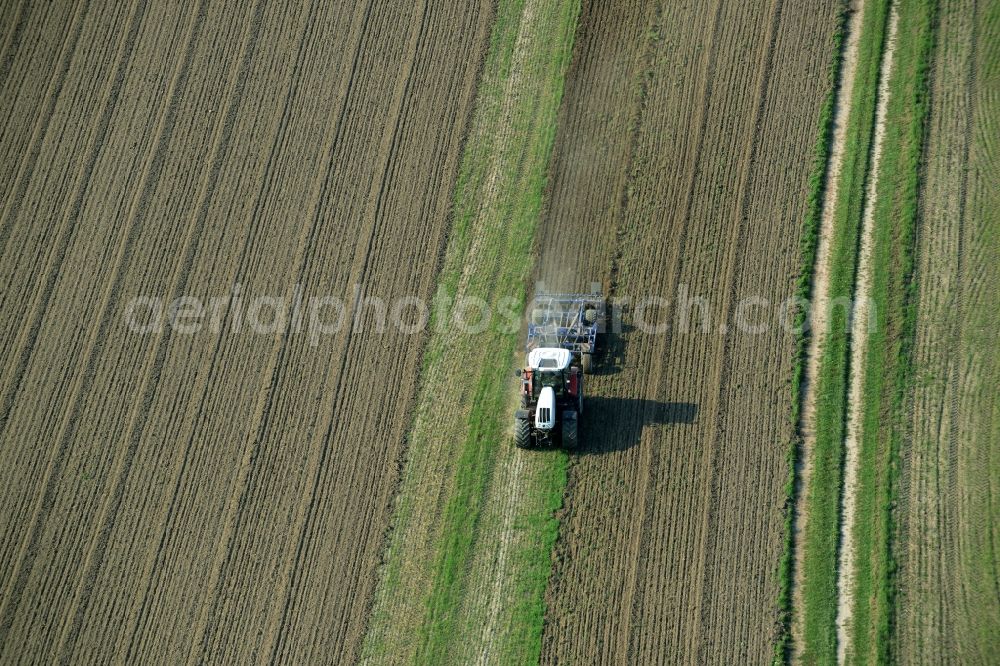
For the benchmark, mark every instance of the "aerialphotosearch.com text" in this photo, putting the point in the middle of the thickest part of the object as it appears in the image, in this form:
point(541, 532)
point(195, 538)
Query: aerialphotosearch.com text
point(319, 316)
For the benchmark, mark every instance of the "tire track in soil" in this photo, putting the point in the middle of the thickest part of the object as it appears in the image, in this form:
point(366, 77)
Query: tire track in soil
point(335, 431)
point(275, 447)
point(651, 464)
point(952, 591)
point(307, 516)
point(218, 355)
point(974, 588)
point(638, 539)
point(13, 201)
point(19, 340)
point(237, 509)
point(929, 575)
point(171, 373)
point(99, 407)
point(69, 438)
point(858, 349)
point(820, 300)
point(730, 470)
point(710, 523)
point(12, 37)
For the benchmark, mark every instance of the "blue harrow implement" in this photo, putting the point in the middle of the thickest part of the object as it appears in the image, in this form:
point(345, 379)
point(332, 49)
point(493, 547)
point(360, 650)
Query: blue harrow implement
point(569, 321)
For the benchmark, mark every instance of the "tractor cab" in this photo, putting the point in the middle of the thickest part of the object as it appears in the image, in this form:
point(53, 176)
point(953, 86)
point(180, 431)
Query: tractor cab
point(549, 363)
point(550, 367)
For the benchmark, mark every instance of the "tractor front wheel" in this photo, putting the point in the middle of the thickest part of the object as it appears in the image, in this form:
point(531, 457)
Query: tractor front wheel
point(570, 431)
point(522, 433)
point(587, 362)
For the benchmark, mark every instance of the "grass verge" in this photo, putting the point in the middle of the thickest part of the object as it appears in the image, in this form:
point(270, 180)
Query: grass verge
point(439, 551)
point(804, 287)
point(822, 498)
point(887, 355)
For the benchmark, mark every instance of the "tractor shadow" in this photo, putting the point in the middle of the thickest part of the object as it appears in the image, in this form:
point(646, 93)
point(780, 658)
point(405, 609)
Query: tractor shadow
point(617, 424)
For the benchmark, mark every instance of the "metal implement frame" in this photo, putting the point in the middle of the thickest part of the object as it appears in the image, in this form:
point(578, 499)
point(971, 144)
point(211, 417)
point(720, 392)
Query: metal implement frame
point(562, 323)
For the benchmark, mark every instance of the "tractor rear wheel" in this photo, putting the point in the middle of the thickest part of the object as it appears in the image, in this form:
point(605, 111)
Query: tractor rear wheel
point(522, 433)
point(570, 430)
point(587, 362)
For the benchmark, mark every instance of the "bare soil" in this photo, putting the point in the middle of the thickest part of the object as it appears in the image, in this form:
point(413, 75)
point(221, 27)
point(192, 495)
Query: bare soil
point(222, 495)
point(681, 163)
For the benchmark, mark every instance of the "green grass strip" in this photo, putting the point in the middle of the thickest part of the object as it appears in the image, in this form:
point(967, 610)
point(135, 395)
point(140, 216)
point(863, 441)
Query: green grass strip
point(504, 261)
point(887, 355)
point(822, 498)
point(521, 204)
point(804, 287)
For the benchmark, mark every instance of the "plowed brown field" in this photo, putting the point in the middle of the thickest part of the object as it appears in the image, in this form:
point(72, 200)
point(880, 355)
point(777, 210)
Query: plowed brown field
point(681, 167)
point(224, 494)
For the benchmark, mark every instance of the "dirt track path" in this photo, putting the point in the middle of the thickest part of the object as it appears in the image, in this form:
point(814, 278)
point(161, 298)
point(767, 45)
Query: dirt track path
point(860, 325)
point(820, 298)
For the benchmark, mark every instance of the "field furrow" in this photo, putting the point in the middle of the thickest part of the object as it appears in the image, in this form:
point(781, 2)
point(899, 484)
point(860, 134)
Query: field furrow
point(54, 195)
point(929, 519)
point(36, 63)
point(33, 465)
point(85, 462)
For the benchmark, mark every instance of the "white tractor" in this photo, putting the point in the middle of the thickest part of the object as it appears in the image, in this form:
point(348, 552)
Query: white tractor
point(551, 400)
point(562, 338)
